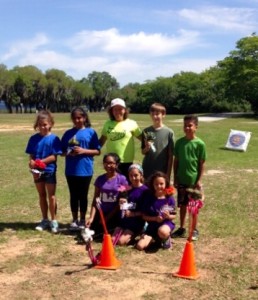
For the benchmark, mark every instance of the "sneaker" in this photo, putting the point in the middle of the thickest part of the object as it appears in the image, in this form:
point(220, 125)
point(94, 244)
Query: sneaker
point(74, 225)
point(166, 244)
point(54, 226)
point(81, 224)
point(180, 232)
point(195, 235)
point(43, 225)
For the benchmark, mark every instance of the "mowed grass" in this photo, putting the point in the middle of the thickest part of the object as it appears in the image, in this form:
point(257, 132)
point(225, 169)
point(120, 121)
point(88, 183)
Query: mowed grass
point(227, 249)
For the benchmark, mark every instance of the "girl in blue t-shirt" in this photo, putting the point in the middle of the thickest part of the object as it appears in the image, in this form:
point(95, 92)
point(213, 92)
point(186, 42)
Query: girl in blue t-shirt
point(43, 148)
point(159, 212)
point(79, 144)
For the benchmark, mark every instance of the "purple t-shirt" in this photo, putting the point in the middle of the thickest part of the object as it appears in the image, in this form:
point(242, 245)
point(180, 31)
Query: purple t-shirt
point(109, 190)
point(154, 207)
point(135, 196)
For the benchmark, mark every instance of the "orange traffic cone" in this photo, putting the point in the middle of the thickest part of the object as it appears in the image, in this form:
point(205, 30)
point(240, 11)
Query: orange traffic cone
point(107, 256)
point(187, 267)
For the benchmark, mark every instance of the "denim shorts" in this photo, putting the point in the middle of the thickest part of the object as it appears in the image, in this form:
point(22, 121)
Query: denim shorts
point(47, 178)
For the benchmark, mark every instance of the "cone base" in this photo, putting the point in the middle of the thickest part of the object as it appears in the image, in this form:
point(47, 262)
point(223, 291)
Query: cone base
point(191, 277)
point(113, 267)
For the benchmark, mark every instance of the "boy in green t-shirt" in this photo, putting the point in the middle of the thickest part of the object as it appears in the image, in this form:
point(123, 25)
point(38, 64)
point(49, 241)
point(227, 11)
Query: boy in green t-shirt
point(189, 159)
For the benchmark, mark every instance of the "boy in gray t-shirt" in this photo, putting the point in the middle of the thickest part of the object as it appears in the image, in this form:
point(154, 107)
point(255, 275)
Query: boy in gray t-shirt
point(157, 144)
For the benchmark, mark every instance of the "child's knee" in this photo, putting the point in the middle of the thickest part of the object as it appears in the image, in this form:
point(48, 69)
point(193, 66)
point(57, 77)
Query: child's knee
point(164, 232)
point(139, 246)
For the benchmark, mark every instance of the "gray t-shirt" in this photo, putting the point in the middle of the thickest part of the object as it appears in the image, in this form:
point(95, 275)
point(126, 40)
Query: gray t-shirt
point(156, 159)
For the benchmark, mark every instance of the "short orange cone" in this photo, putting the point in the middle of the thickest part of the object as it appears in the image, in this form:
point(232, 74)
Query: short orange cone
point(187, 267)
point(107, 257)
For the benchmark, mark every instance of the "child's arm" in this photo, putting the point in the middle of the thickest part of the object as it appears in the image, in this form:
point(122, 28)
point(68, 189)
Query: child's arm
point(170, 164)
point(80, 150)
point(93, 207)
point(132, 214)
point(157, 219)
point(200, 174)
point(47, 160)
point(175, 167)
point(102, 140)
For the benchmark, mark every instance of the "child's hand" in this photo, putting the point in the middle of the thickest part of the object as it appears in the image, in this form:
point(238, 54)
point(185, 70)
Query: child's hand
point(129, 213)
point(159, 219)
point(88, 222)
point(31, 164)
point(77, 150)
point(122, 201)
point(166, 214)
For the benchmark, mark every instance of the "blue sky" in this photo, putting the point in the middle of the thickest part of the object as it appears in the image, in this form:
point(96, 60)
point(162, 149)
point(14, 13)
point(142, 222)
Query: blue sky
point(134, 40)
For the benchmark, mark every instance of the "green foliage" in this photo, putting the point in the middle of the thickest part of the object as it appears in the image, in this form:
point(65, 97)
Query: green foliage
point(232, 85)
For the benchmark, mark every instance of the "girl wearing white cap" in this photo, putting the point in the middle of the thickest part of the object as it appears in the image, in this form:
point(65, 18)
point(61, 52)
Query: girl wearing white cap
point(118, 133)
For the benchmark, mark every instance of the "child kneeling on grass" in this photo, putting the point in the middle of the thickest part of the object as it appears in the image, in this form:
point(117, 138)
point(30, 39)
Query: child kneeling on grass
point(131, 202)
point(159, 212)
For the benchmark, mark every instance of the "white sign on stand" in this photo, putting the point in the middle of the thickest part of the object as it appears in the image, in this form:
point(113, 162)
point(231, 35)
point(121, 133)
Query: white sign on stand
point(238, 140)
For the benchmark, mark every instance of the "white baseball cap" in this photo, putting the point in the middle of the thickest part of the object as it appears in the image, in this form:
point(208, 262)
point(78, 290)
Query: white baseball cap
point(118, 101)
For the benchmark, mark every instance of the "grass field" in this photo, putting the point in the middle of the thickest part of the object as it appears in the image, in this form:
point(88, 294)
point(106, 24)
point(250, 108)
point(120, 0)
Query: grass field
point(37, 265)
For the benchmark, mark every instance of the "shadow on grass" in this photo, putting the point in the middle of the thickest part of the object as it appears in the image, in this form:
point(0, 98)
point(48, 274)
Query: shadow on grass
point(17, 226)
point(85, 267)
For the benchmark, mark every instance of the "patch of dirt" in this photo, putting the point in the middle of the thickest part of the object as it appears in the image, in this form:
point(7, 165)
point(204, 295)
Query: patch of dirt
point(5, 128)
point(29, 269)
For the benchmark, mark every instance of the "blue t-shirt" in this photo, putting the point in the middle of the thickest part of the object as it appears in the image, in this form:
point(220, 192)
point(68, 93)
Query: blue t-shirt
point(80, 165)
point(40, 147)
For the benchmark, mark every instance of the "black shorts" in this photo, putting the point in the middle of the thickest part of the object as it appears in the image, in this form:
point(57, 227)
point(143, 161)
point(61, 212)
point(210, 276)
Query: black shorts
point(182, 195)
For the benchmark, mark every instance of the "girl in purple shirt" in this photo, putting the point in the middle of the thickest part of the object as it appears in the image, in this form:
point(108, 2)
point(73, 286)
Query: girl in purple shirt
point(159, 212)
point(131, 223)
point(106, 191)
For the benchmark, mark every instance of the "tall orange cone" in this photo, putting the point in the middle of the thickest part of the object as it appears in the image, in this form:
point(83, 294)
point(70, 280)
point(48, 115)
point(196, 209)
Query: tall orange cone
point(187, 267)
point(107, 257)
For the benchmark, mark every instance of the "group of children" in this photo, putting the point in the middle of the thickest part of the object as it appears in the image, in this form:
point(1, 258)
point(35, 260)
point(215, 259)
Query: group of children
point(136, 200)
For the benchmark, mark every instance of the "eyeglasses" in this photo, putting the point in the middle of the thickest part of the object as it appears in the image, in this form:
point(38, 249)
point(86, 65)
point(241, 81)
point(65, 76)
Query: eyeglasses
point(109, 163)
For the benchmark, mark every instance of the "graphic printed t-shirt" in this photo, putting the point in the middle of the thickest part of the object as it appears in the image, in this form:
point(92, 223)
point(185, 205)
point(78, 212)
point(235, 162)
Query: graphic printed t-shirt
point(120, 138)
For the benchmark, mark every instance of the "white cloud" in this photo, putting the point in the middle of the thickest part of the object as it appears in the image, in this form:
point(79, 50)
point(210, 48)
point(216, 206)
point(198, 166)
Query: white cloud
point(111, 42)
point(229, 19)
point(22, 47)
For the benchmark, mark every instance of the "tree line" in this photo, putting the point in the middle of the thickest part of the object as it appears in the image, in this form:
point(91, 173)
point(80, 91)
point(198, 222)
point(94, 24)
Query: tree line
point(231, 85)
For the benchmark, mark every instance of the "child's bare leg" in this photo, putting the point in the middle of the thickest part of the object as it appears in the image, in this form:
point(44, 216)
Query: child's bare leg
point(125, 238)
point(42, 199)
point(164, 232)
point(143, 242)
point(51, 189)
point(182, 216)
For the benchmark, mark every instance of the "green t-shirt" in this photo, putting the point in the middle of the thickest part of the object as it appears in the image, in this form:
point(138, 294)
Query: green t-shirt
point(189, 153)
point(120, 138)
